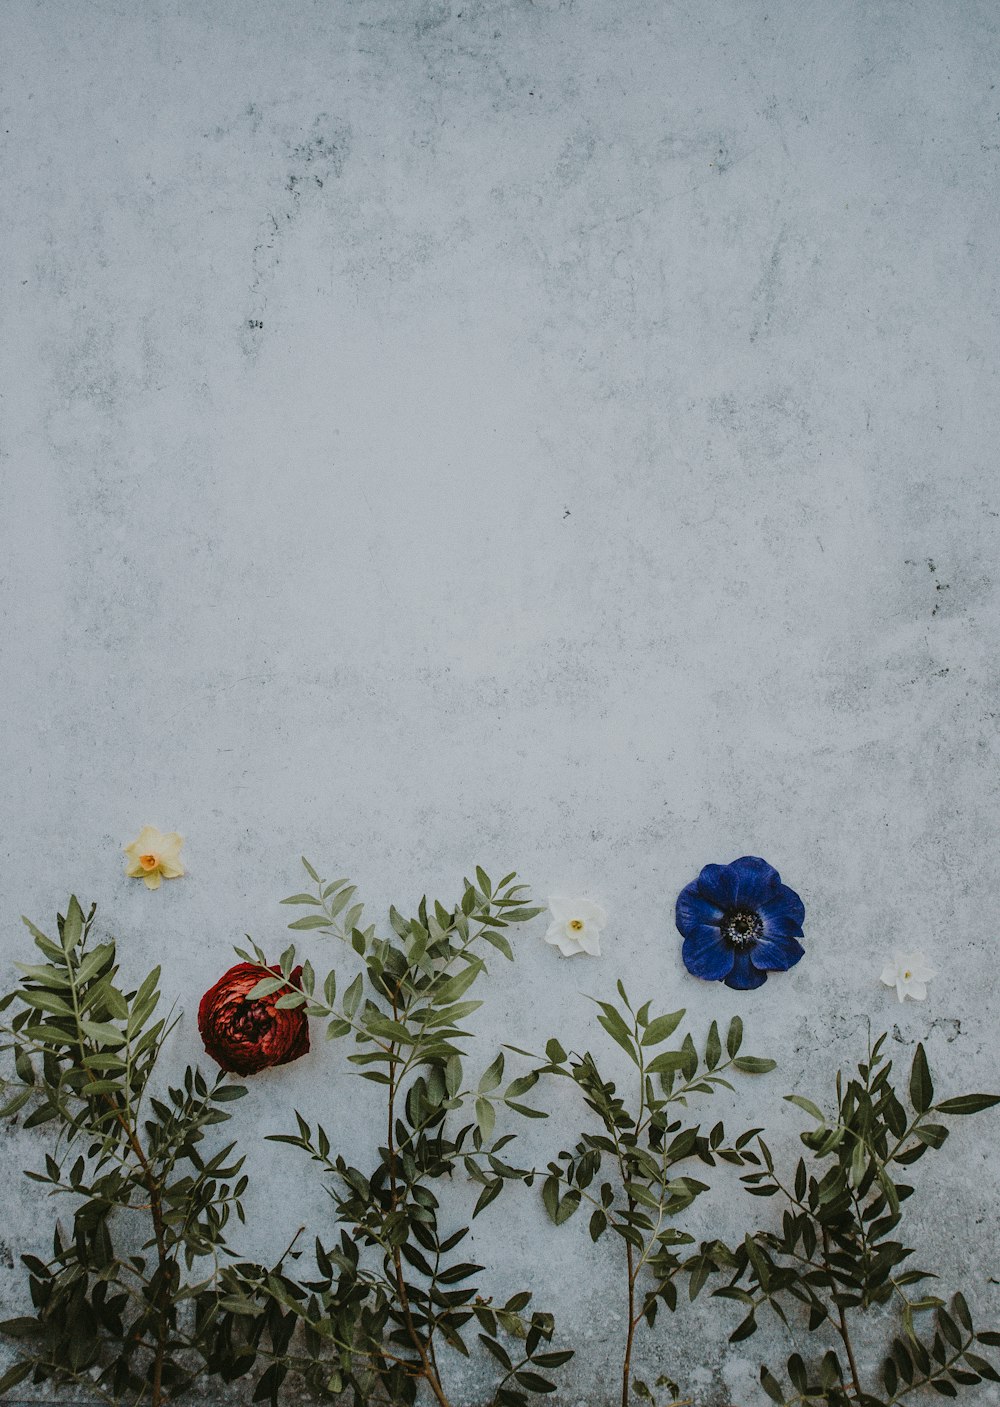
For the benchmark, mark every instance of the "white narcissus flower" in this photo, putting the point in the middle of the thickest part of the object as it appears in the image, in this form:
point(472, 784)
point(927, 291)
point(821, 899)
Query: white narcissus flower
point(576, 926)
point(909, 973)
point(153, 856)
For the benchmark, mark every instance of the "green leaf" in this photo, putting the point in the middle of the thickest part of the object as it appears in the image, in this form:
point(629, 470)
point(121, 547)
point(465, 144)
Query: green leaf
point(485, 1117)
point(550, 1198)
point(289, 1001)
point(980, 1365)
point(808, 1106)
point(921, 1086)
point(18, 1102)
point(379, 1025)
point(734, 1038)
point(23, 1327)
point(458, 985)
point(492, 1075)
point(661, 1027)
point(534, 1382)
point(498, 941)
point(311, 921)
point(612, 1022)
point(353, 996)
point(744, 1329)
point(489, 1192)
point(73, 927)
point(16, 1373)
point(46, 1001)
point(568, 1206)
point(309, 870)
point(949, 1328)
point(890, 1376)
point(713, 1046)
point(967, 1103)
point(554, 1051)
point(753, 1064)
point(666, 1061)
point(498, 1352)
point(266, 987)
point(453, 1075)
point(224, 1094)
point(771, 1386)
point(103, 1032)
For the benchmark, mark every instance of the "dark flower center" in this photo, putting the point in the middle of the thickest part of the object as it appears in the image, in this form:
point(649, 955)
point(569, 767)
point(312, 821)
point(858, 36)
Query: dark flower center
point(742, 927)
point(251, 1020)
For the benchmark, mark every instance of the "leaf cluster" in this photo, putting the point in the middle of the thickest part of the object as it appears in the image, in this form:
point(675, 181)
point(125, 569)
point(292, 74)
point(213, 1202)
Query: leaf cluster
point(392, 1286)
point(635, 1169)
point(147, 1200)
point(839, 1250)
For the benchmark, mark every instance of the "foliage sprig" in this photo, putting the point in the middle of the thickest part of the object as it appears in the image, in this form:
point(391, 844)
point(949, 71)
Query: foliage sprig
point(148, 1200)
point(649, 1148)
point(838, 1252)
point(390, 1292)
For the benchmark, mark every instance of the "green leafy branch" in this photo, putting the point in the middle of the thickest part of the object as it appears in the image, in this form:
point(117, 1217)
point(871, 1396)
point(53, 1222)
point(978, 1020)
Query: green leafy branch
point(645, 1146)
point(391, 1288)
point(837, 1252)
point(84, 1052)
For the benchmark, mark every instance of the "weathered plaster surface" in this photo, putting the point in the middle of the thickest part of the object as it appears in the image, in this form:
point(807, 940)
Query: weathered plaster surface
point(554, 435)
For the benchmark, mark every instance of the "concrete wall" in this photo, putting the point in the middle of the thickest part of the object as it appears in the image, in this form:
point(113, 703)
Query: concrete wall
point(553, 435)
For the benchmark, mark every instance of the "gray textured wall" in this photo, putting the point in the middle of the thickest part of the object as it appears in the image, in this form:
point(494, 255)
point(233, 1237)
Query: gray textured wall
point(559, 435)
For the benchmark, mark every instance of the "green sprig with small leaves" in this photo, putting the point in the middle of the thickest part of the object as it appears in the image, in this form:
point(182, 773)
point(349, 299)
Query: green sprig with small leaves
point(646, 1144)
point(838, 1255)
point(85, 1052)
point(390, 1293)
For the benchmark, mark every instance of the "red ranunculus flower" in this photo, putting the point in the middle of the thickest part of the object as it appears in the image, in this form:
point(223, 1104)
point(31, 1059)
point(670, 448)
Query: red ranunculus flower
point(247, 1036)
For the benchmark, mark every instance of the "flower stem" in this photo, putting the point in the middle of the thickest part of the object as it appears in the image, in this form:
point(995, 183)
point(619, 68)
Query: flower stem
point(429, 1371)
point(149, 1181)
point(842, 1328)
point(627, 1360)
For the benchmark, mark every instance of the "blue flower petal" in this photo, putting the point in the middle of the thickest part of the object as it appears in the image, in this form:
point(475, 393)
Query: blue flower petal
point(717, 884)
point(744, 976)
point(693, 909)
point(782, 915)
point(776, 954)
point(756, 881)
point(706, 955)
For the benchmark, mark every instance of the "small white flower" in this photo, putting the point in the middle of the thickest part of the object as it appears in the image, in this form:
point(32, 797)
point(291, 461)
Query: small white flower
point(909, 973)
point(576, 926)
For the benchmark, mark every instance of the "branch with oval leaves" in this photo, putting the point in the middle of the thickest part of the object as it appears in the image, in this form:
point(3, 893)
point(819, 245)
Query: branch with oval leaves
point(837, 1254)
point(390, 1283)
point(148, 1202)
point(649, 1150)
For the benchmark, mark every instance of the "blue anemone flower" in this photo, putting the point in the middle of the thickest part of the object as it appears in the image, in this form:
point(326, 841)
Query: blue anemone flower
point(739, 922)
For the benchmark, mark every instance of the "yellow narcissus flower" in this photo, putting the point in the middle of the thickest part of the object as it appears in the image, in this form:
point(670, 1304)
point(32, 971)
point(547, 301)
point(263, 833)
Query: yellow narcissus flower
point(153, 856)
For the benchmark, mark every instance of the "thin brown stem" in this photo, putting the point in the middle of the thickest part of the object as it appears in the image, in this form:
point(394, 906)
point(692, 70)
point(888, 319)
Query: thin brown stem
point(842, 1328)
point(156, 1212)
point(627, 1360)
point(155, 1208)
point(429, 1369)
